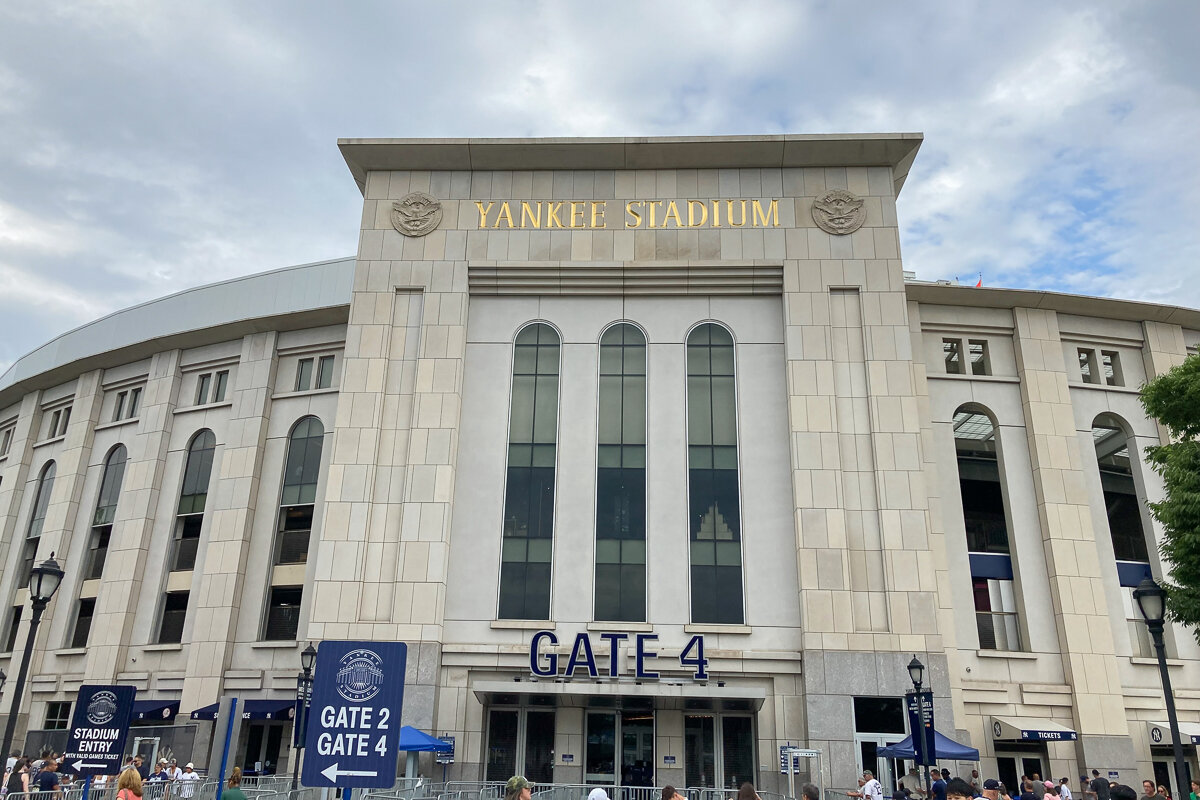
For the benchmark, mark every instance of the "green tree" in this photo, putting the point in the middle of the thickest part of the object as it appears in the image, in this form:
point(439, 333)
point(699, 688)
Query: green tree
point(1173, 398)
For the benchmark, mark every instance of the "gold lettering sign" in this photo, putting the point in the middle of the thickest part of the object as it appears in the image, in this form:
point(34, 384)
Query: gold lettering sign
point(639, 214)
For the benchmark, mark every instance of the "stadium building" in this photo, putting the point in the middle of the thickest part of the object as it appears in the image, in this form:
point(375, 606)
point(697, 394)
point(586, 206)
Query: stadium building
point(649, 449)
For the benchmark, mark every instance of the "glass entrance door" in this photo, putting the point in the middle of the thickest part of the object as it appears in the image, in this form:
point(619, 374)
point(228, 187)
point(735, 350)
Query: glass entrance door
point(520, 742)
point(630, 764)
point(718, 750)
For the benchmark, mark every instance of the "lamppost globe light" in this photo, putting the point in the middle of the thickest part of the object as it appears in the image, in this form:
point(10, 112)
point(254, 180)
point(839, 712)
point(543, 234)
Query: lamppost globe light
point(44, 580)
point(1151, 600)
point(916, 671)
point(308, 658)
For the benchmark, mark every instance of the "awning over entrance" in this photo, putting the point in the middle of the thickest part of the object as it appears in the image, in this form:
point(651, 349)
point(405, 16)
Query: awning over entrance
point(1031, 729)
point(1159, 733)
point(585, 694)
point(155, 710)
point(253, 709)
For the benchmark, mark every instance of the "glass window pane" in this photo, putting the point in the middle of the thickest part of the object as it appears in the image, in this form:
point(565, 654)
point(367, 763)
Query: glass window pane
point(610, 360)
point(304, 374)
point(545, 415)
point(502, 745)
point(699, 411)
point(521, 410)
point(700, 754)
point(737, 749)
point(609, 429)
point(633, 410)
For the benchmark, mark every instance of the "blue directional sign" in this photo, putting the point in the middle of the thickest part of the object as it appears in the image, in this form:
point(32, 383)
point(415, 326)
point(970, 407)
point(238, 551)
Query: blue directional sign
point(353, 732)
point(99, 728)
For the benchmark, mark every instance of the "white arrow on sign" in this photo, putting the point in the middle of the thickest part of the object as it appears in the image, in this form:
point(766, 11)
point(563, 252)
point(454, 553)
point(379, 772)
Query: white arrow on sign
point(80, 764)
point(332, 772)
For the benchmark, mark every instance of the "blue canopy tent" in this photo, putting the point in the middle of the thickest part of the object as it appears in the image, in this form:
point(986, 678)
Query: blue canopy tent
point(943, 749)
point(414, 741)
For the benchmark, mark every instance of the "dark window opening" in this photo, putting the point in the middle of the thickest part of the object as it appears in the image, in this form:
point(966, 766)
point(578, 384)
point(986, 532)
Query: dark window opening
point(83, 622)
point(58, 716)
point(879, 715)
point(187, 542)
point(14, 624)
point(174, 613)
point(295, 529)
point(283, 614)
point(97, 552)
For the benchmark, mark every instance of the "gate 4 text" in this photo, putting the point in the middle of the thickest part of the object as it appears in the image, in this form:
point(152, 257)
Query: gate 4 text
point(544, 660)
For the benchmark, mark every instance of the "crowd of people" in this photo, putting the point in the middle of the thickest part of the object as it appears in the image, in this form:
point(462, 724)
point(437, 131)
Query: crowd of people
point(1030, 787)
point(47, 774)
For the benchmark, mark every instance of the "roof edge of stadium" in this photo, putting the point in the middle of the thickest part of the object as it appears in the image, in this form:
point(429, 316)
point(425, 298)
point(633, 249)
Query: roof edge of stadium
point(894, 150)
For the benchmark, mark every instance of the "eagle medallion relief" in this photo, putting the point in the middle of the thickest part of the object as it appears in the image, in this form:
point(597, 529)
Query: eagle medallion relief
point(416, 214)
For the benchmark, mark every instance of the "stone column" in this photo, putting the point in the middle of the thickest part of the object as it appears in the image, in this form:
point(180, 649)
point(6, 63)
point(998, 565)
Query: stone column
point(233, 497)
point(133, 528)
point(1069, 540)
point(385, 530)
point(14, 502)
point(868, 580)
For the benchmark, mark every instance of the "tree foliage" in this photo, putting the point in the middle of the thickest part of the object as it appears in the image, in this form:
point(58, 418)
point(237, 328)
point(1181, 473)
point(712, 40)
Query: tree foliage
point(1173, 399)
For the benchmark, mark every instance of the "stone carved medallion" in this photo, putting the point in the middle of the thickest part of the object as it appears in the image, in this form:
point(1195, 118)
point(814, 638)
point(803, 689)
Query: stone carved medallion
point(416, 214)
point(839, 212)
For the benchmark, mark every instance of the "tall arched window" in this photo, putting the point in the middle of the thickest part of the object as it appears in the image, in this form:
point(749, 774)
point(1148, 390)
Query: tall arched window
point(1126, 524)
point(106, 511)
point(529, 493)
point(621, 477)
point(987, 528)
point(193, 496)
point(41, 502)
point(715, 528)
point(301, 471)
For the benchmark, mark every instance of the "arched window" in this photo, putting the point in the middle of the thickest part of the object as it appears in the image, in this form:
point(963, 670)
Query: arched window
point(41, 502)
point(621, 477)
point(297, 504)
point(106, 511)
point(715, 528)
point(529, 492)
point(1126, 524)
point(193, 496)
point(986, 523)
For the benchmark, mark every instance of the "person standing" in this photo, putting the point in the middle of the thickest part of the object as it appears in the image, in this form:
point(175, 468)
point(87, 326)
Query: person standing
point(187, 781)
point(1064, 791)
point(1099, 786)
point(912, 783)
point(975, 781)
point(871, 788)
point(174, 773)
point(1151, 791)
point(47, 779)
point(129, 785)
point(1039, 786)
point(18, 776)
point(234, 790)
point(937, 791)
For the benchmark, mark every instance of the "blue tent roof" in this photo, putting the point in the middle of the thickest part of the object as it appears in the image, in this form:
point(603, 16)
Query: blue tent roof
point(943, 748)
point(413, 739)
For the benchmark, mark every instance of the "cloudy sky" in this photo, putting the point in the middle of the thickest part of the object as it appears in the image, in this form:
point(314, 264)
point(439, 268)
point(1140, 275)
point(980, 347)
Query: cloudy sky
point(146, 147)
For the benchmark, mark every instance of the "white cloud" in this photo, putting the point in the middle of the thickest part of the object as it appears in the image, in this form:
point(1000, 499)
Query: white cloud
point(145, 147)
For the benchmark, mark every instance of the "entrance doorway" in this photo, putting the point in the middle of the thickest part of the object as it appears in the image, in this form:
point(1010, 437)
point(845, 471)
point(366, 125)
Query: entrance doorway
point(520, 742)
point(878, 722)
point(718, 750)
point(147, 748)
point(630, 764)
point(263, 741)
point(1164, 770)
point(1013, 765)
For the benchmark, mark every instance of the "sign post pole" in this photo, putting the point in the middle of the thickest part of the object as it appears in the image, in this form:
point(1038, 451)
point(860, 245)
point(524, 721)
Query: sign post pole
point(230, 718)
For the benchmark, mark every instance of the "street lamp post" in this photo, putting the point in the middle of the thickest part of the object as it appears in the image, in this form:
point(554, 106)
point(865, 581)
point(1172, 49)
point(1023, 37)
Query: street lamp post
point(303, 692)
point(916, 672)
point(1151, 600)
point(43, 583)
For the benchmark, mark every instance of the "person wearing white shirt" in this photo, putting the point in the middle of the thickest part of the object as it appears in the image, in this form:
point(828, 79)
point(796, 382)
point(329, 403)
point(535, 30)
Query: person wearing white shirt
point(871, 789)
point(187, 781)
point(1064, 791)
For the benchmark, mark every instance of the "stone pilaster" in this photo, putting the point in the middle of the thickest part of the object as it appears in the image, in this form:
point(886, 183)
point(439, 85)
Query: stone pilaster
point(232, 499)
point(386, 524)
point(1069, 540)
point(133, 528)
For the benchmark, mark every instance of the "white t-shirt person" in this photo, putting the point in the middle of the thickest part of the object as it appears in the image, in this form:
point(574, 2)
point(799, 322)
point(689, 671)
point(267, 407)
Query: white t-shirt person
point(187, 782)
point(872, 789)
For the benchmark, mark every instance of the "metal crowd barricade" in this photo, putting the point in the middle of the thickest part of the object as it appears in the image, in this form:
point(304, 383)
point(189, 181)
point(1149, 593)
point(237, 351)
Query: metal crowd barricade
point(471, 790)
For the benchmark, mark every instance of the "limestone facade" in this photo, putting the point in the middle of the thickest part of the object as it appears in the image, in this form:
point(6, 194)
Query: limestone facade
point(853, 545)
